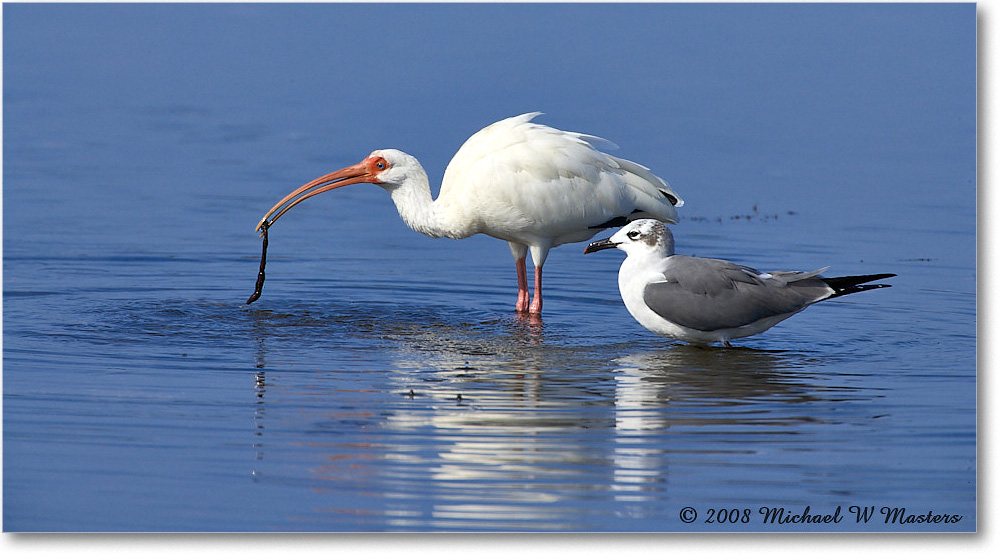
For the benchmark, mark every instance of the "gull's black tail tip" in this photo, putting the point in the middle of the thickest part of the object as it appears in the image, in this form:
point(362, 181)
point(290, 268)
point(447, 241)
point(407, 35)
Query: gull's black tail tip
point(844, 285)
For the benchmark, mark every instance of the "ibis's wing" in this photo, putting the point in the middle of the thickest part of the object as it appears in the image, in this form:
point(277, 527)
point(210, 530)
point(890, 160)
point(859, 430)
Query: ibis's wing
point(556, 181)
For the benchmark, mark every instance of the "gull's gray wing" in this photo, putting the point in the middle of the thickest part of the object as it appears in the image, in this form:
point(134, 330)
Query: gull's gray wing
point(712, 294)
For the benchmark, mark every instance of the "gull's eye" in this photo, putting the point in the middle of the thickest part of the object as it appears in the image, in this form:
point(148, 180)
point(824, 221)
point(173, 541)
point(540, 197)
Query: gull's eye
point(634, 234)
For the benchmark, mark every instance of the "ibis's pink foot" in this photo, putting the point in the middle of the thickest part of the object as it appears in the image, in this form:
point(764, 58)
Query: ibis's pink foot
point(523, 301)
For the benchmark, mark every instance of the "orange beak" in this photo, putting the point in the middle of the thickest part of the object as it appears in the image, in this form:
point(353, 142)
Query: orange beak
point(358, 173)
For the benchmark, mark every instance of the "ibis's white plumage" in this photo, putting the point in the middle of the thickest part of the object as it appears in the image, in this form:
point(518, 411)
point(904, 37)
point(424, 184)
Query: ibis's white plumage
point(532, 185)
point(535, 185)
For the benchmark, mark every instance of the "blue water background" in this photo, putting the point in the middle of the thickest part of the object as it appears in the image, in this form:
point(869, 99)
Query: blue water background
point(382, 382)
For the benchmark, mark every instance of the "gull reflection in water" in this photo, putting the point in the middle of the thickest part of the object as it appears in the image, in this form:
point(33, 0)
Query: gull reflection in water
point(671, 387)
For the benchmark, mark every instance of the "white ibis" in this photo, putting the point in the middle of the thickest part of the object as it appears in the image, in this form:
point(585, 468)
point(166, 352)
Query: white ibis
point(534, 186)
point(701, 301)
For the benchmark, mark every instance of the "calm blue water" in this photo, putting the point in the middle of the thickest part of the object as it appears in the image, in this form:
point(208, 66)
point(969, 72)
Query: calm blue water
point(383, 382)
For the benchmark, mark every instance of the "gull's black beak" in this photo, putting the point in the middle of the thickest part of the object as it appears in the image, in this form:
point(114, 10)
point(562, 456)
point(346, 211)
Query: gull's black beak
point(600, 246)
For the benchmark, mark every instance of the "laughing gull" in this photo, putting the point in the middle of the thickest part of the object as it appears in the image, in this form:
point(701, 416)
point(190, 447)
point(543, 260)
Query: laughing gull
point(702, 301)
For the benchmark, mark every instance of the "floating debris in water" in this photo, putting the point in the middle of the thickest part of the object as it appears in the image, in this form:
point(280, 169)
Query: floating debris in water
point(263, 260)
point(757, 215)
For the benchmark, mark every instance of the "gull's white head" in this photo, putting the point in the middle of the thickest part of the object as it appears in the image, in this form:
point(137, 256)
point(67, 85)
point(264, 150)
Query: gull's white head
point(645, 236)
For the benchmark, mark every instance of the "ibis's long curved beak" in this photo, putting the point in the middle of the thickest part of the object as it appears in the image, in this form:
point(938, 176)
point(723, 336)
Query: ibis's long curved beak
point(358, 173)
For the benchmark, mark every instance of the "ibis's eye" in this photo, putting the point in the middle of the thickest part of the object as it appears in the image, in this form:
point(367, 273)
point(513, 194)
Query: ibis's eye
point(380, 165)
point(634, 234)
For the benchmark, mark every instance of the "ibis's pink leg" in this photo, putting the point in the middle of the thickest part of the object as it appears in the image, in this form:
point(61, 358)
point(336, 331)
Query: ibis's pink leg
point(536, 304)
point(523, 297)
